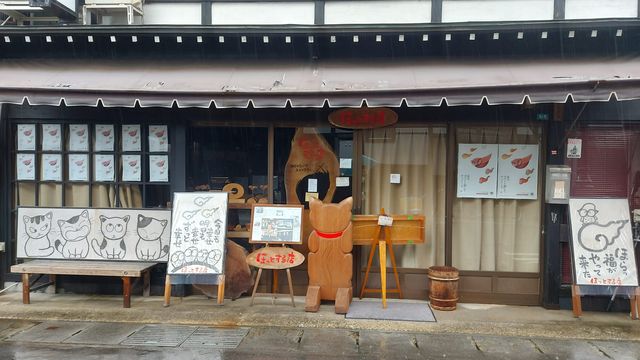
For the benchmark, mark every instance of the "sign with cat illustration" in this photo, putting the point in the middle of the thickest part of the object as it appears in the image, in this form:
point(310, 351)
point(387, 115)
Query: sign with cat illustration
point(198, 231)
point(94, 234)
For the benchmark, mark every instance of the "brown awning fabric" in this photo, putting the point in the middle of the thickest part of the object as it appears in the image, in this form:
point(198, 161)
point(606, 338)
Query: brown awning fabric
point(270, 84)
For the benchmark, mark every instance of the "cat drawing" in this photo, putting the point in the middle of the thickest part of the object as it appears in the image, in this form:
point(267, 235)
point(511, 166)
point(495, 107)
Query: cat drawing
point(113, 230)
point(74, 231)
point(149, 246)
point(37, 228)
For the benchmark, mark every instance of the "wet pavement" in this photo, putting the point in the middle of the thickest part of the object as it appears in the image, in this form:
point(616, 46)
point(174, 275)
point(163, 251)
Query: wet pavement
point(99, 340)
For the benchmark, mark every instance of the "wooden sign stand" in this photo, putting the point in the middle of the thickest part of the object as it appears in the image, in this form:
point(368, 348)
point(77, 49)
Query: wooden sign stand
point(576, 302)
point(167, 289)
point(273, 295)
point(382, 243)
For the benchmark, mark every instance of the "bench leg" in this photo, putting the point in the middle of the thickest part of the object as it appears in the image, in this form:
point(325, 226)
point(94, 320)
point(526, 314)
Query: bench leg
point(26, 299)
point(126, 291)
point(221, 280)
point(146, 283)
point(167, 291)
point(53, 280)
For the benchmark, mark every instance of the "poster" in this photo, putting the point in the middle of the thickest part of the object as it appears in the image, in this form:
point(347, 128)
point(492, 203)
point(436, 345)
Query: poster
point(51, 165)
point(574, 148)
point(276, 224)
point(104, 138)
point(78, 167)
point(518, 171)
point(51, 137)
point(131, 137)
point(158, 168)
point(103, 167)
point(26, 137)
point(78, 137)
point(26, 166)
point(93, 234)
point(198, 230)
point(131, 168)
point(158, 138)
point(477, 170)
point(602, 242)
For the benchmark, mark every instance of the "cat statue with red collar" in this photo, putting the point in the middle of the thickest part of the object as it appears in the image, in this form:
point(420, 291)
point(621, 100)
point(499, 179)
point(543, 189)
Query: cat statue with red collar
point(330, 265)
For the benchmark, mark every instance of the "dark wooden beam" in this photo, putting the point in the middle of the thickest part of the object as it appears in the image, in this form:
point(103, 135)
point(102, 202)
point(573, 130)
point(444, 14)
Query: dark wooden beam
point(558, 9)
point(319, 13)
point(436, 11)
point(206, 13)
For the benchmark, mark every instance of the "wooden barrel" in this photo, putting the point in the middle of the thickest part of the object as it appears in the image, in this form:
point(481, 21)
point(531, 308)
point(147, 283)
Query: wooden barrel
point(443, 287)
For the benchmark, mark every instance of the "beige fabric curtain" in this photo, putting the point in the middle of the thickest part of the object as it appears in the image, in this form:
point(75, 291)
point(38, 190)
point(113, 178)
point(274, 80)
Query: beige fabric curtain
point(497, 235)
point(419, 156)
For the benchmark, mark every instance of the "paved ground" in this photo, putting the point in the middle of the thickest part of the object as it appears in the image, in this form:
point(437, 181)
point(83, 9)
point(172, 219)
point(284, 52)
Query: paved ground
point(95, 340)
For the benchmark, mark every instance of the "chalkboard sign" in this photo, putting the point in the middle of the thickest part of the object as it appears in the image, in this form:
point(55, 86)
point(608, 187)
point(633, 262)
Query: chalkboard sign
point(602, 243)
point(276, 224)
point(198, 231)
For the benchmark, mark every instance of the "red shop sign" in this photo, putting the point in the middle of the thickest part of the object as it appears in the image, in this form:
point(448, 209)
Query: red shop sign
point(363, 118)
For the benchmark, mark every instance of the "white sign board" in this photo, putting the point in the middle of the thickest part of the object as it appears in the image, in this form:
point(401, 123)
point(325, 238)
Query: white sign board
point(93, 234)
point(276, 224)
point(477, 170)
point(602, 242)
point(574, 148)
point(198, 231)
point(517, 171)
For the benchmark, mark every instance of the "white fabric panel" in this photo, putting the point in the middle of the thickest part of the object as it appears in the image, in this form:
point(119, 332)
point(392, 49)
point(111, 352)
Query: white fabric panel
point(172, 14)
point(599, 9)
point(377, 12)
point(496, 10)
point(271, 13)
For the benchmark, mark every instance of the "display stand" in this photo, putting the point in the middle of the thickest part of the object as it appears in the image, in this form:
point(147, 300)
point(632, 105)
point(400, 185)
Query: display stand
point(576, 301)
point(167, 289)
point(274, 258)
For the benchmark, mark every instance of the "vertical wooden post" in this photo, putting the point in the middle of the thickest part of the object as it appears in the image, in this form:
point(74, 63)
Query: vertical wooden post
point(52, 279)
point(387, 236)
point(255, 286)
point(635, 304)
point(167, 290)
point(26, 298)
point(221, 281)
point(126, 291)
point(146, 283)
point(576, 301)
point(372, 252)
point(291, 287)
point(382, 250)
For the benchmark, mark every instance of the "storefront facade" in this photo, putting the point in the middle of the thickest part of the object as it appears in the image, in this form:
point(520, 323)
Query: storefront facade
point(189, 139)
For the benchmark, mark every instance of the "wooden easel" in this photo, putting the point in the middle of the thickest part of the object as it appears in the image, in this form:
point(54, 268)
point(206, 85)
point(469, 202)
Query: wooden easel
point(382, 243)
point(273, 295)
point(576, 302)
point(167, 289)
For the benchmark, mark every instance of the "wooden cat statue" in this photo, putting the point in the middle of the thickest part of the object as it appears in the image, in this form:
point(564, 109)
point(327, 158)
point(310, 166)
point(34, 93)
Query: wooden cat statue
point(330, 264)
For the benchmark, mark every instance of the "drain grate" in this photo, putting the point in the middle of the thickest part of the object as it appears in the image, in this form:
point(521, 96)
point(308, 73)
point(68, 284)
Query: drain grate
point(160, 335)
point(216, 338)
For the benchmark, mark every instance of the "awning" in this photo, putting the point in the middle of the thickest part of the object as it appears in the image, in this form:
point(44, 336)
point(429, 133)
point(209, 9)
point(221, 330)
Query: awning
point(277, 84)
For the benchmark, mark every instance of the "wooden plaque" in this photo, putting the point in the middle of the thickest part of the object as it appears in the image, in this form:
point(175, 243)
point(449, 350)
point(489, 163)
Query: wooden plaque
point(405, 230)
point(275, 257)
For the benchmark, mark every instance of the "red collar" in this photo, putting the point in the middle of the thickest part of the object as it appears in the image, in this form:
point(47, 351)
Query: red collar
point(329, 235)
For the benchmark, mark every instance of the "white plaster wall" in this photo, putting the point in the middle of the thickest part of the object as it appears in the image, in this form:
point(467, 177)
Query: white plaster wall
point(377, 12)
point(271, 13)
point(496, 10)
point(594, 9)
point(172, 14)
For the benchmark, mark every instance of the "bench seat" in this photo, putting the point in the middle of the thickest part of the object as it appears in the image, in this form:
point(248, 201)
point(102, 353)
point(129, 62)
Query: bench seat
point(124, 270)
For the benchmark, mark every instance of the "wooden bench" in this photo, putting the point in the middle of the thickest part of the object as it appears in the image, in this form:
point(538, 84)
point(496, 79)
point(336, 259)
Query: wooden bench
point(124, 270)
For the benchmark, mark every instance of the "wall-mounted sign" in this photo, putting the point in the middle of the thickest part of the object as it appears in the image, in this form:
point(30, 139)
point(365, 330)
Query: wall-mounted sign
point(517, 171)
point(477, 170)
point(574, 148)
point(363, 118)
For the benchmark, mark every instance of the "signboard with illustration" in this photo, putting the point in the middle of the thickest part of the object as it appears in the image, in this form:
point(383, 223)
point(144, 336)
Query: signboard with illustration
point(517, 171)
point(477, 170)
point(276, 224)
point(602, 242)
point(93, 234)
point(198, 231)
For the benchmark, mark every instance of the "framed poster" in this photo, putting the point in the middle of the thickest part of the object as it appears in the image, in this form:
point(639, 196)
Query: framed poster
point(518, 171)
point(93, 234)
point(78, 167)
point(78, 137)
point(25, 166)
point(51, 167)
point(104, 138)
point(131, 168)
point(51, 137)
point(158, 168)
point(477, 170)
point(602, 242)
point(158, 138)
point(26, 137)
point(131, 137)
point(276, 224)
point(198, 231)
point(103, 167)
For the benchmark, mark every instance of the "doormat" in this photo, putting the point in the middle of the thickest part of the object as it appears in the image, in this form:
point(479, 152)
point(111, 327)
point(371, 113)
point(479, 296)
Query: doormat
point(396, 310)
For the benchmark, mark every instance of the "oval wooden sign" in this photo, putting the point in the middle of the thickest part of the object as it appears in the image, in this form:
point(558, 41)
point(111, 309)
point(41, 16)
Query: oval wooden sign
point(363, 118)
point(275, 257)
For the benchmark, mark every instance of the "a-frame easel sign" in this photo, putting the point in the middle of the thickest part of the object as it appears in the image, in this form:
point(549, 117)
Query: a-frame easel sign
point(198, 232)
point(602, 251)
